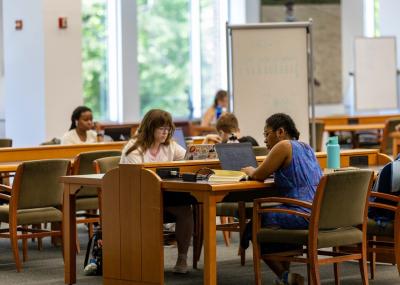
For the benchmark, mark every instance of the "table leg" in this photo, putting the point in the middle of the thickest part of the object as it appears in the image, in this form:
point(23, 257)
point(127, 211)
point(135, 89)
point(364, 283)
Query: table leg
point(210, 243)
point(69, 235)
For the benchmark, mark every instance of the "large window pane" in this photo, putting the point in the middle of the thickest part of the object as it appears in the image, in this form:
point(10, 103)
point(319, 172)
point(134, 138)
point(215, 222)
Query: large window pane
point(163, 55)
point(94, 57)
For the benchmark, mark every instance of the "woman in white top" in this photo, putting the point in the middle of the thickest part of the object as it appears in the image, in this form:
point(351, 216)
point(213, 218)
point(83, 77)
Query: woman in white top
point(81, 127)
point(152, 142)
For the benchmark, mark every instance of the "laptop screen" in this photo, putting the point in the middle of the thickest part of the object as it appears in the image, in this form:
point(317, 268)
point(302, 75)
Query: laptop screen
point(235, 156)
point(179, 137)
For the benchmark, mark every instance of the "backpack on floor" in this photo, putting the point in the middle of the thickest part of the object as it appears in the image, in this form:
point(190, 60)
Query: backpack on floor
point(93, 264)
point(388, 182)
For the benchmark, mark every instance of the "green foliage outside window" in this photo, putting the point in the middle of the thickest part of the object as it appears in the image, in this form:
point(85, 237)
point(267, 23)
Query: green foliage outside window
point(164, 55)
point(94, 57)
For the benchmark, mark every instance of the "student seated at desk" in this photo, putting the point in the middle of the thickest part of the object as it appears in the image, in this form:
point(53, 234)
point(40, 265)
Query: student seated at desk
point(296, 173)
point(219, 106)
point(228, 131)
point(152, 143)
point(81, 130)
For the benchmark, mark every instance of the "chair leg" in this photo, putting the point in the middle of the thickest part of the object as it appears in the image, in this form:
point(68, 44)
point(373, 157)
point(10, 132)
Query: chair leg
point(257, 264)
point(336, 269)
point(363, 264)
point(314, 266)
point(372, 260)
point(78, 246)
point(226, 234)
point(242, 226)
point(197, 234)
point(24, 244)
point(309, 274)
point(14, 246)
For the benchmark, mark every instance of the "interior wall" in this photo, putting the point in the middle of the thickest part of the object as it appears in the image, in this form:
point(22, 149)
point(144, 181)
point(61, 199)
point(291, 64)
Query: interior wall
point(326, 45)
point(42, 69)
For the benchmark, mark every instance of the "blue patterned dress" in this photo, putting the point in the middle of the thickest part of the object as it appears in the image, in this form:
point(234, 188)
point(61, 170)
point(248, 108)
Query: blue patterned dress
point(299, 180)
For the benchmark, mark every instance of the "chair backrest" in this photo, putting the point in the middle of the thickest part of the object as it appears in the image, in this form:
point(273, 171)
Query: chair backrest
point(83, 164)
point(387, 143)
point(319, 133)
point(260, 150)
point(5, 142)
point(342, 198)
point(37, 185)
point(105, 164)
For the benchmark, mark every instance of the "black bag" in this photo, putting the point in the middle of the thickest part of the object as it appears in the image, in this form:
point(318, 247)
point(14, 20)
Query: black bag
point(388, 182)
point(94, 249)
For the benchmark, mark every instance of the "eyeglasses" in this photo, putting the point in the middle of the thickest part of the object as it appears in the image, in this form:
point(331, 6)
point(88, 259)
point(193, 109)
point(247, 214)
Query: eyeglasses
point(266, 133)
point(164, 129)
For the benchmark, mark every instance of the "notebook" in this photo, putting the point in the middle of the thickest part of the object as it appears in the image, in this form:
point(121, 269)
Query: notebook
point(235, 156)
point(200, 151)
point(179, 137)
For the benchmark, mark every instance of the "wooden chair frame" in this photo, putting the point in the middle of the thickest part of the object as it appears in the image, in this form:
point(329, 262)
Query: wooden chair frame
point(11, 194)
point(391, 247)
point(311, 251)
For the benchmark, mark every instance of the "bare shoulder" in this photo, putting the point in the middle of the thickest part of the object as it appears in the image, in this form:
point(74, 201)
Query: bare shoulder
point(283, 146)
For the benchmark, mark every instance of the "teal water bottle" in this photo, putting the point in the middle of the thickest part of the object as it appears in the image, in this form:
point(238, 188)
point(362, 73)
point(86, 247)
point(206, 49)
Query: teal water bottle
point(333, 152)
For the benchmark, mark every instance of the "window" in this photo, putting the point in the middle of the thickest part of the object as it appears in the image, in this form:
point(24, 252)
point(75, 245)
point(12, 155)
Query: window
point(94, 57)
point(163, 55)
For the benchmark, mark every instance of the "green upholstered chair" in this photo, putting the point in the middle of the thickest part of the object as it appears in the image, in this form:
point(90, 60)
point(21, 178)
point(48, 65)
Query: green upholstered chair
point(386, 143)
point(5, 142)
point(105, 164)
point(34, 198)
point(390, 244)
point(260, 150)
point(338, 218)
point(87, 199)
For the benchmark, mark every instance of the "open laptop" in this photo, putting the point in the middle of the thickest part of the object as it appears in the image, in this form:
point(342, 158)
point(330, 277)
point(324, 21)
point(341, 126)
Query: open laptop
point(235, 156)
point(179, 137)
point(200, 151)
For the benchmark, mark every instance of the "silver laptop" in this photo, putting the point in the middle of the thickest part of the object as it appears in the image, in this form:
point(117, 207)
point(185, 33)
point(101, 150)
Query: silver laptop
point(235, 156)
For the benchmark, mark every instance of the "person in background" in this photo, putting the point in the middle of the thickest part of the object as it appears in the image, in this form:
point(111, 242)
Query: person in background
point(81, 129)
point(220, 105)
point(152, 143)
point(296, 174)
point(228, 131)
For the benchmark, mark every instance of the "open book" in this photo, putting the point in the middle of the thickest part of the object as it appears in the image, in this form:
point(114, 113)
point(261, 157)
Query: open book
point(227, 176)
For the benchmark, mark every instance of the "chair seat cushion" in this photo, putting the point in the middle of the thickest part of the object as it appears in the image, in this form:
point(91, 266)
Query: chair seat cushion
point(231, 209)
point(89, 203)
point(376, 229)
point(326, 238)
point(32, 216)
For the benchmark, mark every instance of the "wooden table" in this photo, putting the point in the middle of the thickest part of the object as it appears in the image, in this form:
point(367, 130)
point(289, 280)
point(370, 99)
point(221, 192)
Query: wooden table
point(353, 128)
point(72, 185)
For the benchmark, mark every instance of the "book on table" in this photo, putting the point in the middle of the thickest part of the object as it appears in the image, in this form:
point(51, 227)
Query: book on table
point(220, 175)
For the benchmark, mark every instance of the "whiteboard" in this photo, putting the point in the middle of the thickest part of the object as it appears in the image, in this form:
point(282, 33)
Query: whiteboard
point(375, 74)
point(269, 74)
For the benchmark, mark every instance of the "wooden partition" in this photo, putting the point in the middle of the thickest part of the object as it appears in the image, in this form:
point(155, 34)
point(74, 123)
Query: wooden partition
point(133, 215)
point(10, 157)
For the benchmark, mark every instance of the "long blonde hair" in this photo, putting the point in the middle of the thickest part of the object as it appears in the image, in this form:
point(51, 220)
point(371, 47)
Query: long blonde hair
point(144, 136)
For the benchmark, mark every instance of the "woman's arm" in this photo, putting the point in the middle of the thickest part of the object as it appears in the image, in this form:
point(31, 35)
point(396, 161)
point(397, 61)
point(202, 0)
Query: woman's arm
point(279, 156)
point(208, 117)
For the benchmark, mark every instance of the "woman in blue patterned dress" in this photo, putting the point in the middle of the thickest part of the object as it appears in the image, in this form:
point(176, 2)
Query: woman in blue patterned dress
point(296, 174)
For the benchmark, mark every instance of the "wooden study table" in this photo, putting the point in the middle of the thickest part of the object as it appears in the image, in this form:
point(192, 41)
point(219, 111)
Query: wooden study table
point(353, 128)
point(356, 119)
point(132, 216)
point(72, 185)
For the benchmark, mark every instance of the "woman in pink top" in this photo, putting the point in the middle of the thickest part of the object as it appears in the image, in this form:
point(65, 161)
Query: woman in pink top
point(153, 143)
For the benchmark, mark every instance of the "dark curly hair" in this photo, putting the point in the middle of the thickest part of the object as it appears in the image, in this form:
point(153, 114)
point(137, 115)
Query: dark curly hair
point(281, 120)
